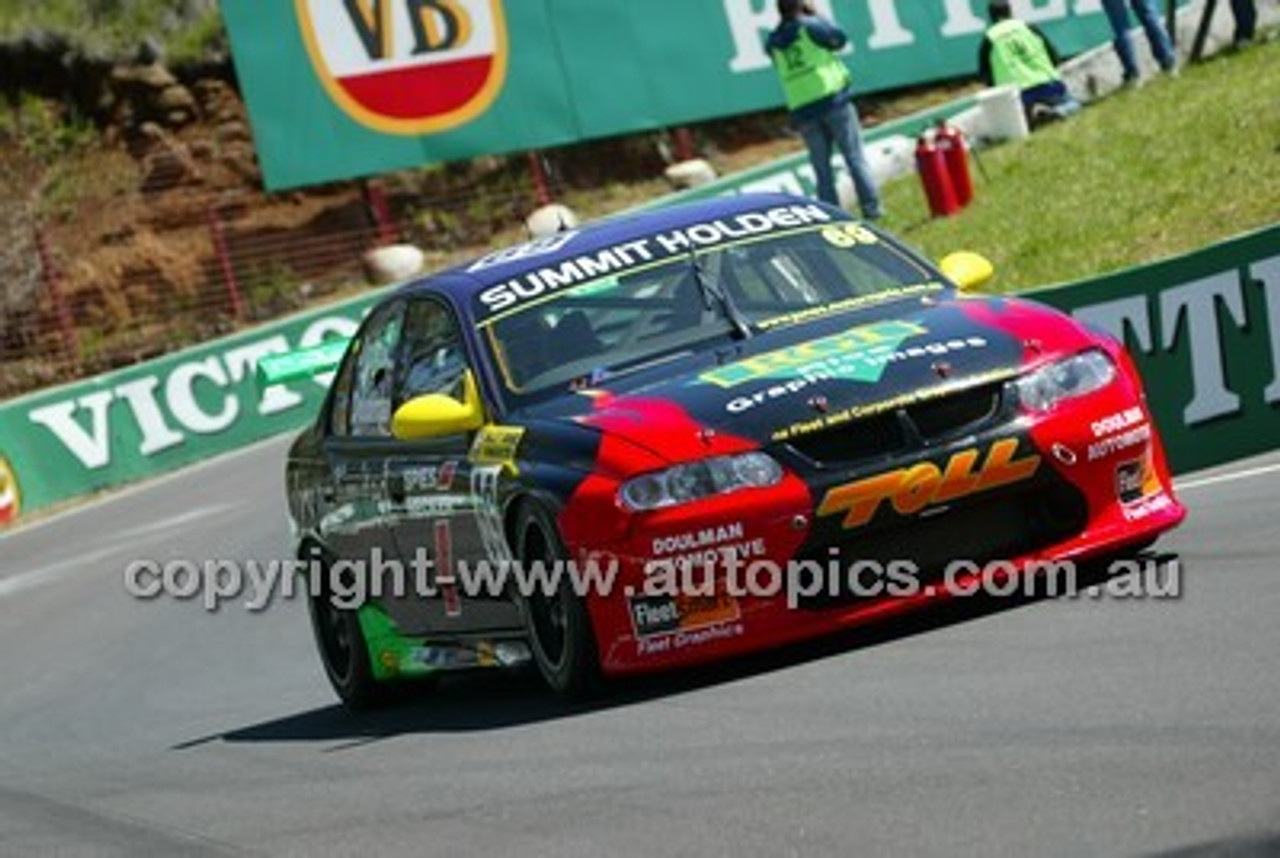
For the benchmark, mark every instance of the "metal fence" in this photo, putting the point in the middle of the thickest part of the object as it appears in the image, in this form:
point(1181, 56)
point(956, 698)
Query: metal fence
point(168, 284)
point(176, 249)
point(111, 287)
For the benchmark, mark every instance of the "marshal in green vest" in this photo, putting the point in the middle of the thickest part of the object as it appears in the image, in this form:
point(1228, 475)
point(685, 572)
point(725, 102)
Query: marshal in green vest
point(809, 71)
point(1019, 56)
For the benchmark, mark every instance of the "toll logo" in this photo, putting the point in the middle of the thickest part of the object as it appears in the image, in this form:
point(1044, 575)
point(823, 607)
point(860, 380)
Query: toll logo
point(407, 66)
point(10, 496)
point(909, 490)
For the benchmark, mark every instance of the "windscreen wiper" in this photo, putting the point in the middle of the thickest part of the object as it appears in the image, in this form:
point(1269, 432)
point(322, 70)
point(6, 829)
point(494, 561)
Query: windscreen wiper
point(708, 280)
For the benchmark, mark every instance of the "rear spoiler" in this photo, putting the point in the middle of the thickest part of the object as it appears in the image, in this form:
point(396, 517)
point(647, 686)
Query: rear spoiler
point(301, 363)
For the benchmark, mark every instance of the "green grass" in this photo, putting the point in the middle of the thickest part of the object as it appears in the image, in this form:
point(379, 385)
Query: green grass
point(114, 27)
point(1138, 176)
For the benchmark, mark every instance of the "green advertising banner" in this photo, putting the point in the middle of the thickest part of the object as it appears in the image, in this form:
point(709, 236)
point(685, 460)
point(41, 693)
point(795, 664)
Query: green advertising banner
point(1204, 331)
point(358, 87)
point(160, 415)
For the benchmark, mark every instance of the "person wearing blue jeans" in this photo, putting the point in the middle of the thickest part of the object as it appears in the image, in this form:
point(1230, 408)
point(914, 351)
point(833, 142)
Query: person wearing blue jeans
point(1149, 17)
point(1246, 15)
point(1015, 53)
point(819, 96)
point(839, 126)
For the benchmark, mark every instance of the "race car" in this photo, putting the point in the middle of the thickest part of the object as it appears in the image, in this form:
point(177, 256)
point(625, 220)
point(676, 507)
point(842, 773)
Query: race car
point(696, 432)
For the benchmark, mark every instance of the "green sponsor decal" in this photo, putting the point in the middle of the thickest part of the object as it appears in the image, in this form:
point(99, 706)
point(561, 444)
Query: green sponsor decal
point(391, 654)
point(858, 354)
point(394, 655)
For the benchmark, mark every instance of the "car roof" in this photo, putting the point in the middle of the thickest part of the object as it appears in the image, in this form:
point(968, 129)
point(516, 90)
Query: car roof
point(464, 281)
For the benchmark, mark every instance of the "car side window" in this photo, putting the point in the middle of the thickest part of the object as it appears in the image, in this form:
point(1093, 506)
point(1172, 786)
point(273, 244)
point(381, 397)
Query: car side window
point(432, 359)
point(340, 413)
point(372, 365)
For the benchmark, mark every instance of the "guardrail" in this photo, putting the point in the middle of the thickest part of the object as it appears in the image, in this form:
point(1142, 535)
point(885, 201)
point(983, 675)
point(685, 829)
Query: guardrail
point(1204, 331)
point(159, 415)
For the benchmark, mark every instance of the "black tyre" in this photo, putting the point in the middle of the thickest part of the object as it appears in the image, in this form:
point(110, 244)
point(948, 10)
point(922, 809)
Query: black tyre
point(345, 653)
point(558, 625)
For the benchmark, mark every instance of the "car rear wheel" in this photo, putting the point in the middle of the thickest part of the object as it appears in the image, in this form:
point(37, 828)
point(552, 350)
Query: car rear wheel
point(557, 623)
point(345, 652)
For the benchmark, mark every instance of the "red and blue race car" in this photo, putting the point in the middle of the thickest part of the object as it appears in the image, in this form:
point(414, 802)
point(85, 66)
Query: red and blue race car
point(677, 436)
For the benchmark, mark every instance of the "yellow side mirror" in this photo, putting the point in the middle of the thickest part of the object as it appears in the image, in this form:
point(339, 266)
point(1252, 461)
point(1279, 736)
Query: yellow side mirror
point(435, 415)
point(968, 270)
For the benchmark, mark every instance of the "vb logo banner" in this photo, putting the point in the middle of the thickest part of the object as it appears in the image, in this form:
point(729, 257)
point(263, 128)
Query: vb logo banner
point(10, 496)
point(408, 66)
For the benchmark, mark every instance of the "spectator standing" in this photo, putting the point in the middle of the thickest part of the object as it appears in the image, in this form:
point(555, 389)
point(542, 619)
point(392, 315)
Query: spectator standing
point(1157, 37)
point(1015, 52)
point(819, 95)
point(1246, 15)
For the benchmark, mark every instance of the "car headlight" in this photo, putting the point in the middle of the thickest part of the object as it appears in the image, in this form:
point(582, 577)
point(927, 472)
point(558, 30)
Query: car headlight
point(701, 479)
point(1068, 378)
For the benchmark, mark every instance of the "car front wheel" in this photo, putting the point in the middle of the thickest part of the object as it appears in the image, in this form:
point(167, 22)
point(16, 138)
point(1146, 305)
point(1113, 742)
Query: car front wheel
point(556, 618)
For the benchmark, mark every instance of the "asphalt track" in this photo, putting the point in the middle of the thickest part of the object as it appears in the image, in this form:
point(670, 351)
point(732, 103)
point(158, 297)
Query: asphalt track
point(1065, 727)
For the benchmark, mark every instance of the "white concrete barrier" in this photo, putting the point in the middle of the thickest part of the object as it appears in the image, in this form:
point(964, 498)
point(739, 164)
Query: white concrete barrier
point(1002, 115)
point(691, 173)
point(549, 220)
point(393, 263)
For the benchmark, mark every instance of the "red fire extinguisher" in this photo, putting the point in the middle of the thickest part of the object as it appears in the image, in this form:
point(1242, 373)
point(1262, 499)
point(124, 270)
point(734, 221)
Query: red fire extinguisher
point(932, 167)
point(955, 152)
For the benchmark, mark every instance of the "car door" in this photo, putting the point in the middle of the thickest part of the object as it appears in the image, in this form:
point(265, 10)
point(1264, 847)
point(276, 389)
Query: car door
point(430, 490)
point(356, 523)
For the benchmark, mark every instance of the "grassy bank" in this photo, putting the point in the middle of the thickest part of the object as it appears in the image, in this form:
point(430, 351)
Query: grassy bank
point(1143, 174)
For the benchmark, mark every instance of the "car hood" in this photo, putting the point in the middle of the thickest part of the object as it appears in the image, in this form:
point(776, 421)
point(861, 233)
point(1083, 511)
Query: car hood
point(756, 391)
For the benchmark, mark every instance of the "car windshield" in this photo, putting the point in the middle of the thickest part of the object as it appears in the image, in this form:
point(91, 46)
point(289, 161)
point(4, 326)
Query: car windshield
point(623, 322)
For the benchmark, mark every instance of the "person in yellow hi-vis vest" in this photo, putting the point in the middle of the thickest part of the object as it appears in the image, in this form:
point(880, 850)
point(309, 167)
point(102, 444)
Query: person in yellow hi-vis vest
point(819, 95)
point(1015, 52)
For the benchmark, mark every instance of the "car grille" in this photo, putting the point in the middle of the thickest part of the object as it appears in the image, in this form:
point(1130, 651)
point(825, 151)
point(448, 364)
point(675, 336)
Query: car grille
point(859, 440)
point(965, 411)
point(928, 421)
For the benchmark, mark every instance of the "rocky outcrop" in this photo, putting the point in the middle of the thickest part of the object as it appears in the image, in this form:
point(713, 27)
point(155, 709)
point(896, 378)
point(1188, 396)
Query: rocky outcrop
point(47, 64)
point(114, 93)
point(150, 94)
